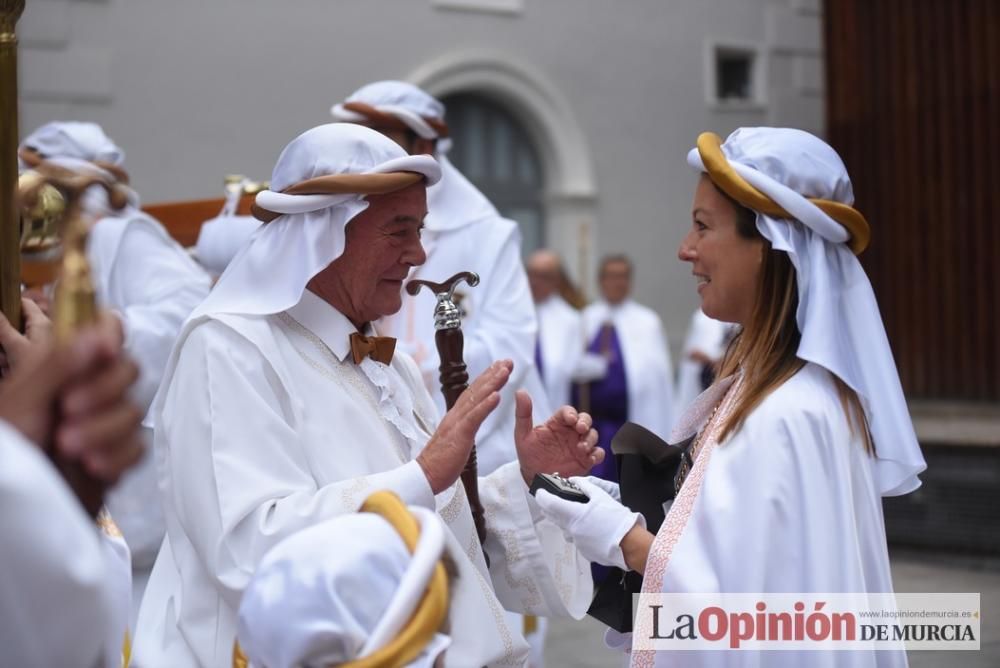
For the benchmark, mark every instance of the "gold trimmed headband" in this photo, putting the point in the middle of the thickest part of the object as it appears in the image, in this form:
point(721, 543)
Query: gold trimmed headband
point(381, 119)
point(730, 182)
point(431, 611)
point(343, 184)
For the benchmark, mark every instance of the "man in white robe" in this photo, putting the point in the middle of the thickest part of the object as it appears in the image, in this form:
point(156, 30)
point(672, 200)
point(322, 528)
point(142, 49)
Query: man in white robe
point(559, 352)
point(64, 585)
point(704, 346)
point(149, 282)
point(273, 417)
point(638, 383)
point(463, 232)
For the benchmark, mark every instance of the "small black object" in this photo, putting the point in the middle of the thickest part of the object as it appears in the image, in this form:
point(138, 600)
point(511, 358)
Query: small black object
point(649, 473)
point(561, 487)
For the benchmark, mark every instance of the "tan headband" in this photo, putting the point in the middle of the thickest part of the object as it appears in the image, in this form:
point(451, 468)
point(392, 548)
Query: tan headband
point(380, 119)
point(33, 158)
point(730, 182)
point(343, 184)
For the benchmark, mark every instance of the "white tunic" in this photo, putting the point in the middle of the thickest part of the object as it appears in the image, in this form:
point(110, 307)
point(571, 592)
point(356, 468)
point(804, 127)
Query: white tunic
point(561, 343)
point(61, 581)
point(646, 357)
point(786, 504)
point(268, 427)
point(465, 233)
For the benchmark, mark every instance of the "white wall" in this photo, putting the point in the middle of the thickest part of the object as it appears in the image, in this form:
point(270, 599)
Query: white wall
point(196, 89)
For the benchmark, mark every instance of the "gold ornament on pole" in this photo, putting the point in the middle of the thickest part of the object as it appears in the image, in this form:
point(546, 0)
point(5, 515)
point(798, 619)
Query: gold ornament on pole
point(10, 249)
point(41, 247)
point(75, 303)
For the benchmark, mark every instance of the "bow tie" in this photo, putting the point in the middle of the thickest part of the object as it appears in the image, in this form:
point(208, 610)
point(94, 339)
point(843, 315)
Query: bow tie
point(379, 348)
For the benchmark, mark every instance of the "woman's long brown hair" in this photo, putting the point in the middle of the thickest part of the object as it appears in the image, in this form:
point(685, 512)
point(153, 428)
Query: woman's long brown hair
point(765, 347)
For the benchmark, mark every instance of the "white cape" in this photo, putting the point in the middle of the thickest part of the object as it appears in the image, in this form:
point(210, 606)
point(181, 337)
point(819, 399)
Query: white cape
point(786, 504)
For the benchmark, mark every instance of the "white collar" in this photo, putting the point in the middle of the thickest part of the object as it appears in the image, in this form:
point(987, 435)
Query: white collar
point(325, 321)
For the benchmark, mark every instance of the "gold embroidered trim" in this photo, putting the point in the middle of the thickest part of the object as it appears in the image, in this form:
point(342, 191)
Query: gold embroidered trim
point(339, 372)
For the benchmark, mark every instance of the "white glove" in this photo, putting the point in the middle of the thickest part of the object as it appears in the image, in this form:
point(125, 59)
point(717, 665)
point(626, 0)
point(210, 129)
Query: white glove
point(590, 367)
point(596, 527)
point(608, 486)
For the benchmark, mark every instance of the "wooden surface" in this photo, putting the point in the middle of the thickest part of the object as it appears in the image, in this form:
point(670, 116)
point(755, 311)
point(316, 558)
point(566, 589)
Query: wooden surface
point(913, 107)
point(184, 219)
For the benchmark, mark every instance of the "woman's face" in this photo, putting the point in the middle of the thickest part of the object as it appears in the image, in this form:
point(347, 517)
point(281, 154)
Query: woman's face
point(726, 264)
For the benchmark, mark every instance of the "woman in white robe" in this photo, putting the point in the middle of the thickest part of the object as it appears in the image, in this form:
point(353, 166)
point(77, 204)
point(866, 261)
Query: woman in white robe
point(807, 427)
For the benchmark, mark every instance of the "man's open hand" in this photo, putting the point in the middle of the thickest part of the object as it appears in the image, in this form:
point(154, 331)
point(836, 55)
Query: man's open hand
point(445, 455)
point(565, 444)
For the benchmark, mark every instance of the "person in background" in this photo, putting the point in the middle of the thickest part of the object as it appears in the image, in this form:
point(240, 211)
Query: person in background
point(638, 379)
point(559, 352)
point(703, 349)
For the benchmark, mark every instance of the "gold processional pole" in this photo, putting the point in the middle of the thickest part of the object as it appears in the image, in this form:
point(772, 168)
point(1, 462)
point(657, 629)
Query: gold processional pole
point(10, 248)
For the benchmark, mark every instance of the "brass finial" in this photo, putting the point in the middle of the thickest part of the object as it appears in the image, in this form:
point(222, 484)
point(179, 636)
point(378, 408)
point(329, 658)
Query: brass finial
point(244, 184)
point(41, 214)
point(75, 299)
point(10, 12)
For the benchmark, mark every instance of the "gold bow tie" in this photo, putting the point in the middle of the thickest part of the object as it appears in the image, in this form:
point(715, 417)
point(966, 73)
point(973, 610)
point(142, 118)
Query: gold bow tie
point(379, 348)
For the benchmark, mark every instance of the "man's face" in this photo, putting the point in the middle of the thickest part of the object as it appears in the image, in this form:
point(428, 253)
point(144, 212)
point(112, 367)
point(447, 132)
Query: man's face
point(410, 143)
point(382, 244)
point(616, 282)
point(543, 275)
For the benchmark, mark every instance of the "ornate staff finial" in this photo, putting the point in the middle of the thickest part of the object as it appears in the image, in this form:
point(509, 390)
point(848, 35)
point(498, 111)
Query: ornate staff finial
point(454, 377)
point(75, 303)
point(447, 315)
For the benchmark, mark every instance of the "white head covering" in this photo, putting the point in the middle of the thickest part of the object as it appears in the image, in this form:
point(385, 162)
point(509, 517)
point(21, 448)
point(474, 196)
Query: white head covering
point(837, 315)
point(338, 591)
point(74, 139)
point(77, 146)
point(454, 202)
point(309, 236)
point(221, 238)
point(311, 233)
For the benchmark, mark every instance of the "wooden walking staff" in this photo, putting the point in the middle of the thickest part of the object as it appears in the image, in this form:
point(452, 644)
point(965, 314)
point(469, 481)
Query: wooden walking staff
point(454, 376)
point(10, 248)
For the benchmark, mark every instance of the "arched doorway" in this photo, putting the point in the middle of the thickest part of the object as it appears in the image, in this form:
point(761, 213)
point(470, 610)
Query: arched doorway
point(495, 152)
point(569, 194)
